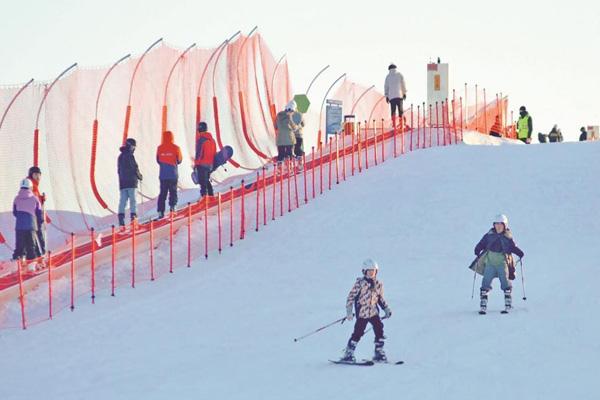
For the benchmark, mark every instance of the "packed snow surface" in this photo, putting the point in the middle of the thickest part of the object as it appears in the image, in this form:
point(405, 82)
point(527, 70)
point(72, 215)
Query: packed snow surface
point(224, 329)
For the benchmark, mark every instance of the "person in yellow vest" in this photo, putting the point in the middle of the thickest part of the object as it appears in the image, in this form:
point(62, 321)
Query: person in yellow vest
point(524, 126)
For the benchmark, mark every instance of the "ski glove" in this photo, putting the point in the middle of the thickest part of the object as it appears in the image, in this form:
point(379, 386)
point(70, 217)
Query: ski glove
point(404, 97)
point(349, 314)
point(388, 313)
point(387, 100)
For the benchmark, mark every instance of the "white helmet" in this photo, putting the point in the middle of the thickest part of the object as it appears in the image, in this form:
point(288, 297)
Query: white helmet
point(369, 264)
point(501, 219)
point(291, 106)
point(26, 184)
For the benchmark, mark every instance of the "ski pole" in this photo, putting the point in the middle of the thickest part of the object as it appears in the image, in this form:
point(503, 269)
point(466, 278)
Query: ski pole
point(522, 279)
point(341, 320)
point(473, 289)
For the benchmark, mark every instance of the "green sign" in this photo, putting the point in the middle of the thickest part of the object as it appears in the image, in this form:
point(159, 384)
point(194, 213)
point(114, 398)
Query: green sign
point(302, 103)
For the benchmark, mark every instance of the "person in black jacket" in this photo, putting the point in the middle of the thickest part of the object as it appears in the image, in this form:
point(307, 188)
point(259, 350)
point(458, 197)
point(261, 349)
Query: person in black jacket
point(129, 175)
point(583, 135)
point(497, 246)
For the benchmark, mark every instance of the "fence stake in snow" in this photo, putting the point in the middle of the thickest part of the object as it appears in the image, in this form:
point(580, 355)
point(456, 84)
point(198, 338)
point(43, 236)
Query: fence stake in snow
point(72, 271)
point(93, 240)
point(113, 257)
point(189, 230)
point(20, 262)
point(219, 222)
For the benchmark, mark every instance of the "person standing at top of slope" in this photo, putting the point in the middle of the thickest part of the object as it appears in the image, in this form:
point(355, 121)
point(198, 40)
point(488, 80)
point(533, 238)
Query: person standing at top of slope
point(27, 211)
point(206, 148)
point(524, 126)
point(497, 247)
point(298, 120)
point(366, 296)
point(583, 136)
point(286, 138)
point(129, 175)
point(35, 176)
point(168, 156)
point(395, 90)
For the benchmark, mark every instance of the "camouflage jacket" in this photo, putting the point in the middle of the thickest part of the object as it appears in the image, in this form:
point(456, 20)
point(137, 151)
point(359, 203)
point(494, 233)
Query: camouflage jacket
point(366, 296)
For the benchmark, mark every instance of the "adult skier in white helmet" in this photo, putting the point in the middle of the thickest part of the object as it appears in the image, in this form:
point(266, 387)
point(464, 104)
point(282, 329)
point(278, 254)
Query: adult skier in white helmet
point(365, 297)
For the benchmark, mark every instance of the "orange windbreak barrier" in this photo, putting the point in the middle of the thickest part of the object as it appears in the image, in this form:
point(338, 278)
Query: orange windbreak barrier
point(78, 156)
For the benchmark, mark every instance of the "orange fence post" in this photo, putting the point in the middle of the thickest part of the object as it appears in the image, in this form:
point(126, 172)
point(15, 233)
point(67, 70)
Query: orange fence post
point(171, 242)
point(72, 271)
point(206, 227)
point(330, 157)
point(113, 256)
point(219, 222)
point(21, 292)
point(50, 284)
point(264, 185)
point(312, 170)
point(231, 216)
point(151, 250)
point(243, 212)
point(304, 173)
point(257, 184)
point(93, 266)
point(189, 231)
point(375, 140)
point(132, 254)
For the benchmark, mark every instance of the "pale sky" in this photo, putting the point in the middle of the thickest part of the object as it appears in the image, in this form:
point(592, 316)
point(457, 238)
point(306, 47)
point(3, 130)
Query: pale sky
point(545, 56)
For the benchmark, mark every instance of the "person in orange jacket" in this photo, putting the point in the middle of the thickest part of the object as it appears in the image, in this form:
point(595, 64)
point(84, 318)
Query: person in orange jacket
point(206, 149)
point(168, 156)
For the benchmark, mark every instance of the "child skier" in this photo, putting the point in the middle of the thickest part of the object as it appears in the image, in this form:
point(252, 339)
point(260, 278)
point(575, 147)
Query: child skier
point(27, 210)
point(497, 247)
point(366, 296)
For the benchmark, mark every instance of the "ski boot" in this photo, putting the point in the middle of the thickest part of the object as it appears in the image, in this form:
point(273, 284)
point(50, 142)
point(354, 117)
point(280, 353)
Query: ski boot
point(483, 303)
point(349, 352)
point(161, 215)
point(379, 355)
point(507, 301)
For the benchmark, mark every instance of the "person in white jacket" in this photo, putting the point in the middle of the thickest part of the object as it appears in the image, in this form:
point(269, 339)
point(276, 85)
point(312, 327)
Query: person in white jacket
point(395, 90)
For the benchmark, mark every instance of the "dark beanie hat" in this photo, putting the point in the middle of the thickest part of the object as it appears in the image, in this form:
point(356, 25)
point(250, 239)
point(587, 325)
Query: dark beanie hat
point(202, 127)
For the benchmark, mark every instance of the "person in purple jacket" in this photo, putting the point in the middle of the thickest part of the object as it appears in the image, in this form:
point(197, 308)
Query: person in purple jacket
point(27, 210)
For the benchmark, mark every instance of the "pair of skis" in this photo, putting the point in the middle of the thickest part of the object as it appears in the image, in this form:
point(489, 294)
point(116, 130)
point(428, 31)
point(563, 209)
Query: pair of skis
point(365, 363)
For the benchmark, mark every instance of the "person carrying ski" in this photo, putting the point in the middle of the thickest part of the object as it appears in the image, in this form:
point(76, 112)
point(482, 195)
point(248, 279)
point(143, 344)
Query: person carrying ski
point(204, 159)
point(524, 126)
point(497, 247)
point(298, 120)
point(35, 176)
point(286, 138)
point(395, 91)
point(27, 211)
point(129, 175)
point(366, 296)
point(168, 156)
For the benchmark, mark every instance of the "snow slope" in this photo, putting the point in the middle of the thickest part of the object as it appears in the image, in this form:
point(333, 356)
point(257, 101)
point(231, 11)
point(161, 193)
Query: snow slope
point(224, 329)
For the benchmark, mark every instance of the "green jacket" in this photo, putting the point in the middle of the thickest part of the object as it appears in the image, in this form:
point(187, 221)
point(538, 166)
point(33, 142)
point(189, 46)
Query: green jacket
point(285, 129)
